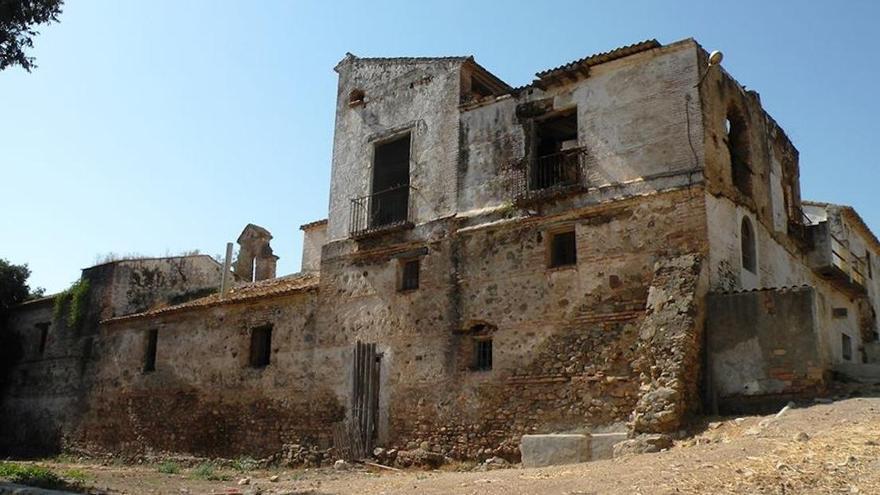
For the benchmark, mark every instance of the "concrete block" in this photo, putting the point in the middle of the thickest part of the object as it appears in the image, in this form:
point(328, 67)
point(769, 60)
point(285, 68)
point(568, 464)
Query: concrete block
point(602, 444)
point(551, 450)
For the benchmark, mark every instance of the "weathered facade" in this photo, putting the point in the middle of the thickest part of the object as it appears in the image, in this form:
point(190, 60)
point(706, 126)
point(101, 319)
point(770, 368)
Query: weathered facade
point(566, 256)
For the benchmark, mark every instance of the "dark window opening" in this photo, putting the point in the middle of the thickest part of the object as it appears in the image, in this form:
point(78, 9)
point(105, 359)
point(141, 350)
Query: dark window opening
point(261, 346)
point(150, 354)
point(390, 192)
point(483, 354)
point(563, 249)
point(747, 247)
point(557, 160)
point(738, 149)
point(44, 336)
point(409, 278)
point(839, 312)
point(846, 346)
point(868, 262)
point(356, 97)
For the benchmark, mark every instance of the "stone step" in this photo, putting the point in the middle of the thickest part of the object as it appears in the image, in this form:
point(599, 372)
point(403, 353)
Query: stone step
point(568, 448)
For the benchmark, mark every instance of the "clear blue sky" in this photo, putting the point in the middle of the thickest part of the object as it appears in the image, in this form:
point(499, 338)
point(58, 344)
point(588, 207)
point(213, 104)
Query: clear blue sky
point(162, 126)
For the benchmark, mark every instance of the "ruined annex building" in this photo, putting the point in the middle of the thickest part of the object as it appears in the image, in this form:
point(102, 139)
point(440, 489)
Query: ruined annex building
point(615, 247)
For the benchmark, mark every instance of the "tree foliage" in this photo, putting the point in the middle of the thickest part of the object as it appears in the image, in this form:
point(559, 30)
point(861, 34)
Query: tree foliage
point(18, 18)
point(13, 290)
point(13, 286)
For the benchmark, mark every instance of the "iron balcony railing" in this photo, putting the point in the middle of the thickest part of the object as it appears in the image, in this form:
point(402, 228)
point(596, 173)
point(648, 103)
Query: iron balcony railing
point(846, 261)
point(381, 211)
point(553, 174)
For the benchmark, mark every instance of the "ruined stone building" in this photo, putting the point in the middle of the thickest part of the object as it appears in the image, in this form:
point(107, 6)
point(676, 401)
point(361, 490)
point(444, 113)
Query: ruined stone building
point(617, 246)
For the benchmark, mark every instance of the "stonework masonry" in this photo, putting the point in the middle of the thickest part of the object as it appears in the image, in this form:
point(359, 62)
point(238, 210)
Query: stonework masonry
point(564, 257)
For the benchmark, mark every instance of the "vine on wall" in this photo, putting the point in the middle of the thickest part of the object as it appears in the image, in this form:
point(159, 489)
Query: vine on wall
point(71, 304)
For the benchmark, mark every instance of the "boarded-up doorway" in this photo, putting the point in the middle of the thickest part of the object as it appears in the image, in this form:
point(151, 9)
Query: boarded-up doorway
point(365, 394)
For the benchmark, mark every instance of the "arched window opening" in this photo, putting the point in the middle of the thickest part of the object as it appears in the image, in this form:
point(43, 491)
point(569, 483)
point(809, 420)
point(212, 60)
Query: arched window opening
point(748, 250)
point(738, 149)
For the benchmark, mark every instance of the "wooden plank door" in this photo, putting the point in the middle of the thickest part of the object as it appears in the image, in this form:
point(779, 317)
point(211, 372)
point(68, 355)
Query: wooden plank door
point(365, 398)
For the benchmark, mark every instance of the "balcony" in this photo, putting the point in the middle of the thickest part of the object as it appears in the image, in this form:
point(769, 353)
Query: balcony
point(833, 260)
point(381, 212)
point(551, 176)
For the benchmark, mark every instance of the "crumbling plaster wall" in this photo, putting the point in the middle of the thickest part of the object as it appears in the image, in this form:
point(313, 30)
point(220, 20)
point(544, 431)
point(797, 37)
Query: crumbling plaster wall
point(774, 196)
point(764, 347)
point(778, 265)
point(314, 238)
point(203, 397)
point(416, 95)
point(638, 119)
point(132, 286)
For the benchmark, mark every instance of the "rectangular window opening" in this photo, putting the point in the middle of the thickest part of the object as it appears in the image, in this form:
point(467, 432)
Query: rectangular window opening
point(556, 160)
point(868, 262)
point(563, 249)
point(483, 354)
point(839, 312)
point(409, 277)
point(846, 346)
point(261, 346)
point(44, 336)
point(390, 190)
point(150, 353)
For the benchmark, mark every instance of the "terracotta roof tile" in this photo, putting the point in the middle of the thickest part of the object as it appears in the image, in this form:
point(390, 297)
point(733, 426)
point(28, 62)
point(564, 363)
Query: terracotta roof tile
point(274, 287)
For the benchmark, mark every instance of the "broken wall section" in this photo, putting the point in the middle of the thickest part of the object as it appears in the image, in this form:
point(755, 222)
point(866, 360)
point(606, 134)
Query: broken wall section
point(670, 345)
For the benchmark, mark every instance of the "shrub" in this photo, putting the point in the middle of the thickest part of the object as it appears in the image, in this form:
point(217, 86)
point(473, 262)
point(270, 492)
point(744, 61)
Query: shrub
point(245, 464)
point(206, 471)
point(32, 476)
point(169, 467)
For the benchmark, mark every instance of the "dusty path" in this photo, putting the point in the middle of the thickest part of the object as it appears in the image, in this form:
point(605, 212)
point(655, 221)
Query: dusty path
point(821, 449)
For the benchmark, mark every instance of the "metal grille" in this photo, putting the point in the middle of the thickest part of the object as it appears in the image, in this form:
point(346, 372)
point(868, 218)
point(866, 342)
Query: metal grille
point(380, 211)
point(410, 277)
point(552, 174)
point(483, 354)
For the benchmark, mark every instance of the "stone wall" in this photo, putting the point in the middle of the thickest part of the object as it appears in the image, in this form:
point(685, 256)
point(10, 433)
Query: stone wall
point(50, 390)
point(45, 389)
point(204, 397)
point(564, 339)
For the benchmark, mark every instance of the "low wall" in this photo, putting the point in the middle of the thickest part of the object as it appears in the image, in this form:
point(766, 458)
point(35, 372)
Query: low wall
point(763, 348)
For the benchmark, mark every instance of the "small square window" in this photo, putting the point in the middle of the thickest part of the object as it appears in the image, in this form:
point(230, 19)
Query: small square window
point(846, 346)
point(483, 354)
point(150, 352)
point(563, 249)
point(409, 276)
point(261, 346)
point(839, 312)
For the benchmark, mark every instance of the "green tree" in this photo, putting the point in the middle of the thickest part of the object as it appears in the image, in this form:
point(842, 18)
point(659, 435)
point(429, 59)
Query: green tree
point(18, 18)
point(14, 290)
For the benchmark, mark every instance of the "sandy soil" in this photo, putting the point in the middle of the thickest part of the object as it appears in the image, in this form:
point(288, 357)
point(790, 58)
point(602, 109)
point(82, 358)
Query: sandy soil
point(820, 449)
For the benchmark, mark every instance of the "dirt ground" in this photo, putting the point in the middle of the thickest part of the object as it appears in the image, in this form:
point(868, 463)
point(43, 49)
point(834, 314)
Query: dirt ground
point(816, 449)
